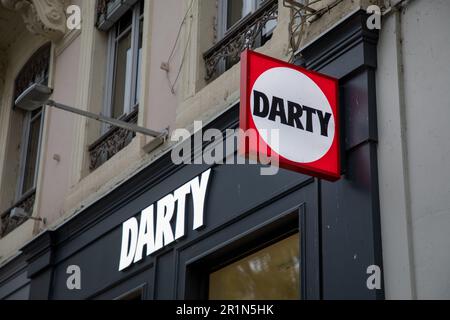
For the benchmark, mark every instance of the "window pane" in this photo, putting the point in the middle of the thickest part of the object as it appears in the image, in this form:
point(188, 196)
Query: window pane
point(259, 3)
point(139, 63)
point(32, 154)
point(234, 11)
point(271, 273)
point(122, 80)
point(141, 7)
point(125, 22)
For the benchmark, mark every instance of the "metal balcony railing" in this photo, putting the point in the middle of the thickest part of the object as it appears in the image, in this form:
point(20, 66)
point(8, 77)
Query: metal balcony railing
point(35, 71)
point(26, 202)
point(110, 143)
point(246, 34)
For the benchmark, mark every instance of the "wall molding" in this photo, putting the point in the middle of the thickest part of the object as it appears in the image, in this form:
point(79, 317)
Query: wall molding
point(66, 41)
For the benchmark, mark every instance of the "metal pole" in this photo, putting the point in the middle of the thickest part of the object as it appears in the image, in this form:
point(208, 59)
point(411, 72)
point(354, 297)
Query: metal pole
point(114, 122)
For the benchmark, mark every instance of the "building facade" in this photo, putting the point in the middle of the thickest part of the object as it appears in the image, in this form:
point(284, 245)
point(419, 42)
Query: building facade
point(72, 189)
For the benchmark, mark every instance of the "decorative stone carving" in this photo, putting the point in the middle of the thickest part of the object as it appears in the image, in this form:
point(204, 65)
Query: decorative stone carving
point(42, 17)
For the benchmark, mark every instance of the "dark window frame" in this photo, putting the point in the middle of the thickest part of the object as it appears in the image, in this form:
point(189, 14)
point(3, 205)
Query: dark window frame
point(199, 269)
point(137, 293)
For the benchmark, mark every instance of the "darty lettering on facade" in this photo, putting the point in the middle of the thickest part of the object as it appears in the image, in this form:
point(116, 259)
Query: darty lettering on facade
point(155, 234)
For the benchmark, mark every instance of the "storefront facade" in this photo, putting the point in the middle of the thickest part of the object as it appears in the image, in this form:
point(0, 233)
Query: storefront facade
point(300, 237)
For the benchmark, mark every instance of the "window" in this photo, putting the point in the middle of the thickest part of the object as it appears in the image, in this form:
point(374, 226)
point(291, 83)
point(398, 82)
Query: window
point(241, 24)
point(272, 273)
point(232, 11)
point(123, 77)
point(35, 71)
point(125, 55)
point(30, 152)
point(23, 165)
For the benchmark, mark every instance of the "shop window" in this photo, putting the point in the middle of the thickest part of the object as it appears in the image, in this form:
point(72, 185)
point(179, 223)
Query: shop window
point(241, 24)
point(36, 70)
point(267, 262)
point(123, 84)
point(272, 273)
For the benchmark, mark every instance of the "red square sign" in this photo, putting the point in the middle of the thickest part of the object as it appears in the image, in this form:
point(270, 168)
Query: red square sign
point(300, 106)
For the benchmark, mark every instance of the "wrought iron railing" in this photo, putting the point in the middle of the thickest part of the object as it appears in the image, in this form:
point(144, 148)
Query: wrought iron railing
point(8, 223)
point(110, 143)
point(243, 35)
point(35, 71)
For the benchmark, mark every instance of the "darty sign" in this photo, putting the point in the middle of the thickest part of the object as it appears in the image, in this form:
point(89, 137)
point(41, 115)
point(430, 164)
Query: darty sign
point(154, 230)
point(301, 105)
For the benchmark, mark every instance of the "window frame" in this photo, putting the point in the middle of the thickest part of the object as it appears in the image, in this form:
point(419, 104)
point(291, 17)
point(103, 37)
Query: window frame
point(244, 254)
point(28, 118)
point(198, 269)
point(223, 29)
point(113, 37)
point(137, 293)
point(28, 121)
point(222, 25)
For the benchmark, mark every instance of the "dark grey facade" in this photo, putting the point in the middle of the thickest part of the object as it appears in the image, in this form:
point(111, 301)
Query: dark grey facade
point(338, 222)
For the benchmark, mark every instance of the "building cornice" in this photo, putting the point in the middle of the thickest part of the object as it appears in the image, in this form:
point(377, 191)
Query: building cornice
point(41, 17)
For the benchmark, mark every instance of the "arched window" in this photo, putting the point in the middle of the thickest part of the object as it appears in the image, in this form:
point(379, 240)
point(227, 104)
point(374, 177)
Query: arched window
point(35, 71)
point(27, 134)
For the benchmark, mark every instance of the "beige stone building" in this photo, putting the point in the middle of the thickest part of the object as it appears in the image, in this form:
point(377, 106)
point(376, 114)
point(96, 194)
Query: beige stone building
point(78, 160)
point(163, 64)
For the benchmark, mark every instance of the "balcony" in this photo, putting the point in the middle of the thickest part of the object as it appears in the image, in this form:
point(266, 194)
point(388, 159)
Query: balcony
point(246, 34)
point(110, 143)
point(9, 223)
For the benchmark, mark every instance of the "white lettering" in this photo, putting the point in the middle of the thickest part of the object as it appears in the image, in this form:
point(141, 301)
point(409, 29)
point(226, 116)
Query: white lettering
point(198, 194)
point(129, 228)
point(180, 198)
point(146, 234)
point(164, 234)
point(154, 235)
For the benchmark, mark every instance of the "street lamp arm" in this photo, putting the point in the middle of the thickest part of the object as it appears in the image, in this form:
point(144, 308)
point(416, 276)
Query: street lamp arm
point(108, 120)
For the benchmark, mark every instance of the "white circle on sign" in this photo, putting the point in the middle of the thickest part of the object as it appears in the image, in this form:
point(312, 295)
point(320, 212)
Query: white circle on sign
point(294, 144)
